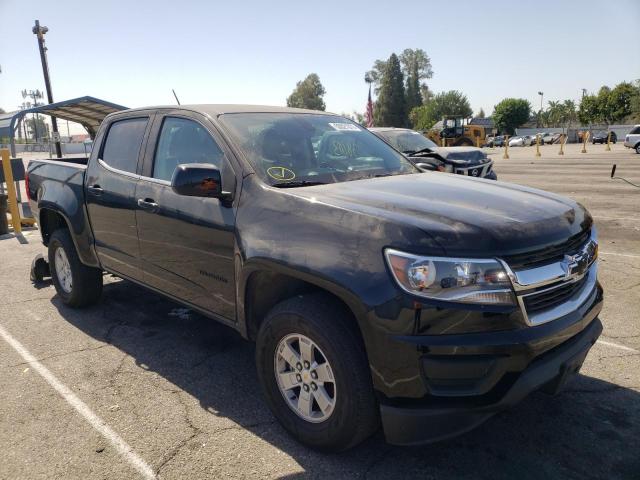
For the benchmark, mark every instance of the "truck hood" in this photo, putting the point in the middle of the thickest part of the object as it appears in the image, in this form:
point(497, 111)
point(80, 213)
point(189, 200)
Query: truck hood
point(463, 215)
point(461, 155)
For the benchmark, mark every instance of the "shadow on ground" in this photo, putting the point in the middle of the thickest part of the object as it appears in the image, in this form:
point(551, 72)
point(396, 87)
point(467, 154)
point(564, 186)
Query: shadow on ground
point(591, 430)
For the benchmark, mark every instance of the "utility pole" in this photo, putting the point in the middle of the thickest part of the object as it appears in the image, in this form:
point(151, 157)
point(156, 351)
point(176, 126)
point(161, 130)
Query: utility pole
point(40, 32)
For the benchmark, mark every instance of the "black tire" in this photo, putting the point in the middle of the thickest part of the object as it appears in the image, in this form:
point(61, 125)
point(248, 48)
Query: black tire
point(638, 149)
point(86, 284)
point(318, 317)
point(464, 142)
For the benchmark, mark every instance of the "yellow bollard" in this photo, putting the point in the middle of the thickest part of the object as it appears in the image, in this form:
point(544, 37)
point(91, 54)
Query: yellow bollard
point(11, 190)
point(444, 142)
point(478, 142)
point(563, 139)
point(608, 149)
point(537, 145)
point(506, 147)
point(584, 144)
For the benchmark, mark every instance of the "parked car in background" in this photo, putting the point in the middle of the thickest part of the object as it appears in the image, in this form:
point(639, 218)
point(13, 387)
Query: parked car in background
point(496, 141)
point(427, 155)
point(602, 136)
point(521, 141)
point(549, 138)
point(632, 139)
point(375, 293)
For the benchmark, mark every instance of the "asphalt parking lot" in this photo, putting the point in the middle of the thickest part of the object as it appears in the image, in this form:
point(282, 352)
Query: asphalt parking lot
point(139, 386)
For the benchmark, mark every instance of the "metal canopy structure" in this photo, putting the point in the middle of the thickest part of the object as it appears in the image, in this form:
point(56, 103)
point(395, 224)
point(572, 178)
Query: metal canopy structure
point(87, 111)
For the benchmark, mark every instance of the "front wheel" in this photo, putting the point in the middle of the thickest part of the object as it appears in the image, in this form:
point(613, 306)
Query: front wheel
point(638, 149)
point(76, 284)
point(314, 372)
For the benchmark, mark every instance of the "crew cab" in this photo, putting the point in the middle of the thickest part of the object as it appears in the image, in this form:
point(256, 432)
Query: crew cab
point(428, 156)
point(376, 293)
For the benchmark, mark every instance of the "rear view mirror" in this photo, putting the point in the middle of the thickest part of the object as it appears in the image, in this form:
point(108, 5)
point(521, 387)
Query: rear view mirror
point(198, 180)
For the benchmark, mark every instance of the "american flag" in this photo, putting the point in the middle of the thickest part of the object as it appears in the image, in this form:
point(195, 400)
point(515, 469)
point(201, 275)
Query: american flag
point(369, 114)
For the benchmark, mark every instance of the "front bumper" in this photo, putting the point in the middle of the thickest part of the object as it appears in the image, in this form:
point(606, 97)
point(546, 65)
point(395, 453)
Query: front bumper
point(417, 425)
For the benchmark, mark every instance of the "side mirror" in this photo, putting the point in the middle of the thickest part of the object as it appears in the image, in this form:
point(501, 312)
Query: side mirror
point(198, 180)
point(426, 167)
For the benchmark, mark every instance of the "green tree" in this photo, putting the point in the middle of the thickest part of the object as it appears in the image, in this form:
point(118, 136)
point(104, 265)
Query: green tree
point(481, 113)
point(2, 111)
point(604, 106)
point(423, 117)
point(416, 67)
point(36, 127)
point(451, 103)
point(588, 111)
point(308, 93)
point(634, 117)
point(391, 107)
point(510, 113)
point(620, 101)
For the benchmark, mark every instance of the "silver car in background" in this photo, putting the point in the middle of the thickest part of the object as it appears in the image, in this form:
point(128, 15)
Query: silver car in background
point(632, 139)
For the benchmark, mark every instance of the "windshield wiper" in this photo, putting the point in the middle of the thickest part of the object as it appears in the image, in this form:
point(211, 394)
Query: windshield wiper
point(412, 153)
point(297, 183)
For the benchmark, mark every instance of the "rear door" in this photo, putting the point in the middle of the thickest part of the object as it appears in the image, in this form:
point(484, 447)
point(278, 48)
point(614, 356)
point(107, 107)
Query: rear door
point(187, 243)
point(110, 192)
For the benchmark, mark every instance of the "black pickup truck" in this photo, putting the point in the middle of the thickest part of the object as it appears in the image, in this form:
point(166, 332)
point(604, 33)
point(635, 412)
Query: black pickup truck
point(375, 292)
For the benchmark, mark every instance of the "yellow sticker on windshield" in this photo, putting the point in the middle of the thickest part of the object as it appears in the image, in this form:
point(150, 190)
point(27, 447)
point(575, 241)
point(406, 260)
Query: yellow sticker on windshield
point(281, 173)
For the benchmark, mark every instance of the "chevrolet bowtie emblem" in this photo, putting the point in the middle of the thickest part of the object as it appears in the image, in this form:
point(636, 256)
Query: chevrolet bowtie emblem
point(574, 265)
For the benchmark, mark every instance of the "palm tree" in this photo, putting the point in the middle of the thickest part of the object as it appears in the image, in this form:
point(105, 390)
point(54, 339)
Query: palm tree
point(570, 110)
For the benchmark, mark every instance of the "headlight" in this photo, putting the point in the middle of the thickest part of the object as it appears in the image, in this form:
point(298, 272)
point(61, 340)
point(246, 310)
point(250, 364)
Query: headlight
point(464, 280)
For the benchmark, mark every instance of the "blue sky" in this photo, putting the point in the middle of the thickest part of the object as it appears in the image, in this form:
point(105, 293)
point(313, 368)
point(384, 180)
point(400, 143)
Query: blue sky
point(134, 52)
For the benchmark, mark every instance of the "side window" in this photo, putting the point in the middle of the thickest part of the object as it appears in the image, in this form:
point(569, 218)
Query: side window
point(634, 131)
point(122, 146)
point(183, 141)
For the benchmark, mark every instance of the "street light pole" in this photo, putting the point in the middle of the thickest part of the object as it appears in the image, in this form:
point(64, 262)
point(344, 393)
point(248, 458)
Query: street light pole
point(540, 112)
point(541, 98)
point(40, 32)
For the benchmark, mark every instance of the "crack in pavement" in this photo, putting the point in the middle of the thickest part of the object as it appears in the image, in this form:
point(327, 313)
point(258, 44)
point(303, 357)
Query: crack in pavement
point(57, 355)
point(17, 302)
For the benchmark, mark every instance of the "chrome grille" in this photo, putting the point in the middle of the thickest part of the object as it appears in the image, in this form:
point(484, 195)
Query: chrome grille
point(553, 296)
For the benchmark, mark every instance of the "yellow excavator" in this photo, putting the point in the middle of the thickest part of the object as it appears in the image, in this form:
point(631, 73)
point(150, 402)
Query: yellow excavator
point(457, 132)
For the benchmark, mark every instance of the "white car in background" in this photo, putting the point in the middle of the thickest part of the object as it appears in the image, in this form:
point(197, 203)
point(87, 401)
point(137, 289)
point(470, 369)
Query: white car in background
point(521, 141)
point(632, 139)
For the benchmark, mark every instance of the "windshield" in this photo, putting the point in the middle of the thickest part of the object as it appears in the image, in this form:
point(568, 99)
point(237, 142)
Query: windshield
point(295, 148)
point(406, 140)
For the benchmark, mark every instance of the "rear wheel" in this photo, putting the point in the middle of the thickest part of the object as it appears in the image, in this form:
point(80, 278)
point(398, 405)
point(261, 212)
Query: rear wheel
point(638, 148)
point(314, 373)
point(463, 142)
point(76, 284)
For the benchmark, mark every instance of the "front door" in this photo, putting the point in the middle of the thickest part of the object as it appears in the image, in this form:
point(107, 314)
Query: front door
point(110, 195)
point(186, 243)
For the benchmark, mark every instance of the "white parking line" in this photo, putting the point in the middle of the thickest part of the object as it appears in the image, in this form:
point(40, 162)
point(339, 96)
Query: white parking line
point(96, 422)
point(617, 345)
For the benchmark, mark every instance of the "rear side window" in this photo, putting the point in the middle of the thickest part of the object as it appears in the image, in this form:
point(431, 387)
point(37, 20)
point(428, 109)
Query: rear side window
point(634, 131)
point(122, 146)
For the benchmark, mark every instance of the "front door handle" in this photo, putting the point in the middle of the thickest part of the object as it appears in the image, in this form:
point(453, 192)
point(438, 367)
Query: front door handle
point(95, 189)
point(147, 204)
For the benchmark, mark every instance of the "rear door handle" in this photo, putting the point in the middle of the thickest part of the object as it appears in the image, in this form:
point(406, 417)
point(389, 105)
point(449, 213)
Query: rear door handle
point(147, 204)
point(95, 189)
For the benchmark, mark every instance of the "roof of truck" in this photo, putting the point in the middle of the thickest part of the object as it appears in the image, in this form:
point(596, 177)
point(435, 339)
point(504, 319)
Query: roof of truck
point(219, 109)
